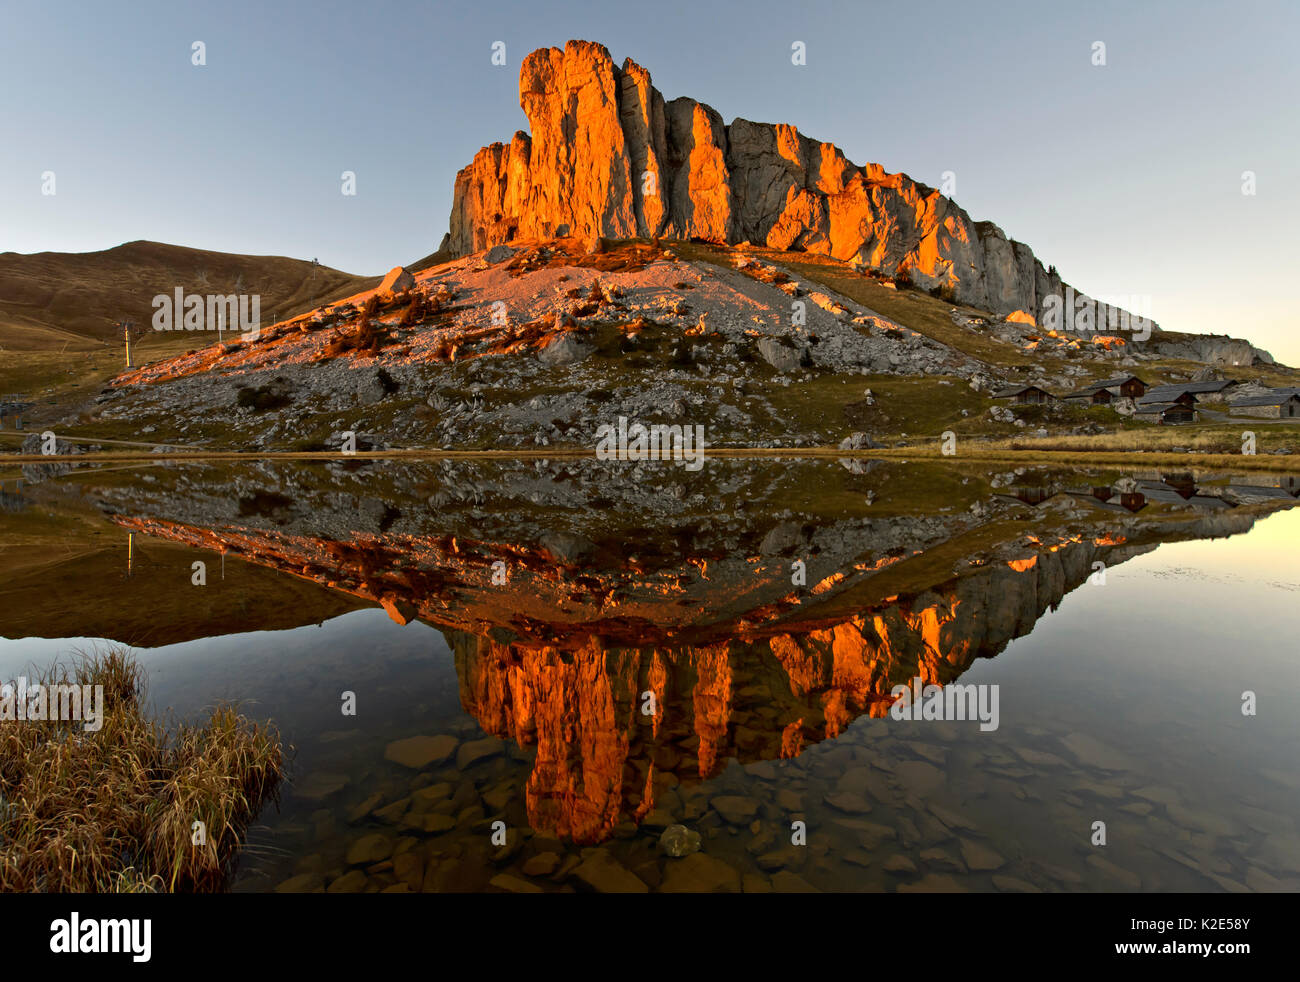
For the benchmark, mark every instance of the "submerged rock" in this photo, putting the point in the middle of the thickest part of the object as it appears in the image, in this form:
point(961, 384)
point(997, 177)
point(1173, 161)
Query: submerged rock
point(602, 873)
point(420, 751)
point(698, 873)
point(678, 841)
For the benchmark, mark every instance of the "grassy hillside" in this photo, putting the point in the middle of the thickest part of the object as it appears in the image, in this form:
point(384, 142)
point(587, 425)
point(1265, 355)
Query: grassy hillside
point(58, 311)
point(82, 295)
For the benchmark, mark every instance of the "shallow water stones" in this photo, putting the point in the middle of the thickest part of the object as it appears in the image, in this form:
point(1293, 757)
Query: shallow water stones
point(678, 841)
point(980, 857)
point(603, 874)
point(496, 799)
point(476, 750)
point(657, 820)
point(433, 823)
point(735, 809)
point(1093, 753)
point(365, 808)
point(320, 785)
point(700, 873)
point(790, 801)
point(939, 858)
point(1117, 873)
point(1011, 884)
point(394, 812)
point(952, 819)
point(870, 834)
point(303, 883)
point(786, 882)
point(847, 801)
point(919, 776)
point(513, 884)
point(543, 864)
point(370, 848)
point(899, 863)
point(354, 881)
point(418, 752)
point(409, 869)
point(933, 883)
point(428, 796)
point(1038, 758)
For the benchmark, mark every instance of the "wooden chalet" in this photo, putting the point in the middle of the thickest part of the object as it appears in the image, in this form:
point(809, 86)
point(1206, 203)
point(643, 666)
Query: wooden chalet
point(1025, 395)
point(1280, 404)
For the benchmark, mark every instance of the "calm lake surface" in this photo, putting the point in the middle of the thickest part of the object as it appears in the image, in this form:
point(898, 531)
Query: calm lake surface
point(649, 654)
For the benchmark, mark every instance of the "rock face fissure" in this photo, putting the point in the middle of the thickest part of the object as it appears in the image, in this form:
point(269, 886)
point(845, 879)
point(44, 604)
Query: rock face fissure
point(608, 156)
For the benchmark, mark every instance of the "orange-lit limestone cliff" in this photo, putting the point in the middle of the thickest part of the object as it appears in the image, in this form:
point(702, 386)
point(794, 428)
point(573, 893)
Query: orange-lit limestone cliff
point(608, 156)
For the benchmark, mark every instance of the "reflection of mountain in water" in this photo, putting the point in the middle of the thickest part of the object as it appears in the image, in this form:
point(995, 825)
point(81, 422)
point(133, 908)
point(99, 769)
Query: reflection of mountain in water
point(758, 696)
point(702, 622)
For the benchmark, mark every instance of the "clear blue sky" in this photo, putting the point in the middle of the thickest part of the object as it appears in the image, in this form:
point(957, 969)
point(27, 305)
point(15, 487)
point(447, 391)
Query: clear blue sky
point(1126, 177)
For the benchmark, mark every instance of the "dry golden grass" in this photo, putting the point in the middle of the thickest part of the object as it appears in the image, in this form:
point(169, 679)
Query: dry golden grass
point(86, 293)
point(1218, 439)
point(987, 453)
point(114, 810)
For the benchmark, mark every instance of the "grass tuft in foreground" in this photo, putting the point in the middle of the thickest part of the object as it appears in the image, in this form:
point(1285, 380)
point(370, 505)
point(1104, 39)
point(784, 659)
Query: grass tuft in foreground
point(114, 810)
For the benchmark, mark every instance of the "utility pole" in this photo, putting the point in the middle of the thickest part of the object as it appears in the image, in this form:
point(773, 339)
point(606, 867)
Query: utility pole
point(126, 326)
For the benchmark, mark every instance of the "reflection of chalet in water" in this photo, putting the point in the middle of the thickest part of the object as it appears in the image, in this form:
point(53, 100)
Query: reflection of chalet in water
point(11, 502)
point(1263, 487)
point(1033, 495)
point(1025, 395)
point(1173, 489)
point(1181, 491)
point(1109, 499)
point(1178, 489)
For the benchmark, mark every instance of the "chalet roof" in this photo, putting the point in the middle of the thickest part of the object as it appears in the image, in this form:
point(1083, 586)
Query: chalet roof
point(1209, 385)
point(1166, 393)
point(1111, 383)
point(1015, 390)
point(1157, 407)
point(1274, 398)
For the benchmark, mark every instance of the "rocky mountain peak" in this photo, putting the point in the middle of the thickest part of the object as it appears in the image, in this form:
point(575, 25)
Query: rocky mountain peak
point(607, 156)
